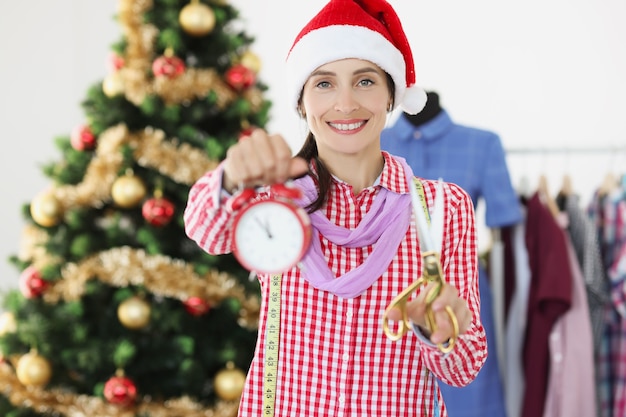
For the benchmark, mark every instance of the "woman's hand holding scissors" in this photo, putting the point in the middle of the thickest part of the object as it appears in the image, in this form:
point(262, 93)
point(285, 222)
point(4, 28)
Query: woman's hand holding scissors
point(444, 329)
point(437, 309)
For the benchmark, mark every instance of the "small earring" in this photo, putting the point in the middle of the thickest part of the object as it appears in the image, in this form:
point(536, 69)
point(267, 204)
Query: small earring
point(389, 107)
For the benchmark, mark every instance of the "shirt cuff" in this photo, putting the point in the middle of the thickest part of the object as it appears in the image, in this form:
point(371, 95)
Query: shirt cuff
point(424, 339)
point(223, 195)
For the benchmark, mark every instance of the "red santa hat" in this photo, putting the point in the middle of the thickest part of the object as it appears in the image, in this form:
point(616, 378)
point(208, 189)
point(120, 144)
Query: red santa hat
point(362, 29)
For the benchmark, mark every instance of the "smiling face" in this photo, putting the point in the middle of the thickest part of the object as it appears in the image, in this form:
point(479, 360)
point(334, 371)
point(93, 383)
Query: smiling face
point(346, 104)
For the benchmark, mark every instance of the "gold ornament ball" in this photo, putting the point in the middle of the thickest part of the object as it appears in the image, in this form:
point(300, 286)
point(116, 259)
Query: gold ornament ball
point(33, 370)
point(197, 19)
point(46, 210)
point(113, 84)
point(128, 191)
point(229, 382)
point(251, 61)
point(134, 313)
point(7, 323)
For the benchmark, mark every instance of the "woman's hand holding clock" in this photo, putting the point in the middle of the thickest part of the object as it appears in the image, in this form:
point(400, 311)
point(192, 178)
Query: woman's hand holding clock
point(260, 159)
point(270, 235)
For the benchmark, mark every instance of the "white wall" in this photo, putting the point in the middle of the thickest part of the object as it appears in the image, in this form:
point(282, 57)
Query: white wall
point(542, 74)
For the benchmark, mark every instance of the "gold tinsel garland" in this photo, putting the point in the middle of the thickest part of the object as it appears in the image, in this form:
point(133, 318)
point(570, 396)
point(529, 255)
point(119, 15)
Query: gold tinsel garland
point(32, 248)
point(72, 405)
point(159, 274)
point(183, 163)
point(138, 58)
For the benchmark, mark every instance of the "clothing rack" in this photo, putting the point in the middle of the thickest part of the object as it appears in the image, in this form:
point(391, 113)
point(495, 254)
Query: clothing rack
point(616, 154)
point(566, 150)
point(613, 152)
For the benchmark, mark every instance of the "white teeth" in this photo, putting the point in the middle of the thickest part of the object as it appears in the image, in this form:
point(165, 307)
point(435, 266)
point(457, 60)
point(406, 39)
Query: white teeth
point(347, 126)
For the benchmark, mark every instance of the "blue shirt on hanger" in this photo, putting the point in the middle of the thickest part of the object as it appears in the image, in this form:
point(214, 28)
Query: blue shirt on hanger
point(475, 160)
point(470, 157)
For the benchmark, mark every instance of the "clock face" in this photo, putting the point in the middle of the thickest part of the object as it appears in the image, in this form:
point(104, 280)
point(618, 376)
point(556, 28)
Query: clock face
point(271, 236)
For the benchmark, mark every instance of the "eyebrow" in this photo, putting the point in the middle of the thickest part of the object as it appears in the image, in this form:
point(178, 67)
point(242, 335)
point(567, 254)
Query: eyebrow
point(365, 70)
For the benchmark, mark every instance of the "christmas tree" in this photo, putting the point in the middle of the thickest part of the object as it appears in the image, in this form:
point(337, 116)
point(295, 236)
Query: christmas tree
point(117, 312)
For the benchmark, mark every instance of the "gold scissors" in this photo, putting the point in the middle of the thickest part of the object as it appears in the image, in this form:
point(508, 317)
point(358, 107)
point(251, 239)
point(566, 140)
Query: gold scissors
point(430, 229)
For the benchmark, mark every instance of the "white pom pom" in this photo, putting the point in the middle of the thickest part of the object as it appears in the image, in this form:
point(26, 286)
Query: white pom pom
point(414, 100)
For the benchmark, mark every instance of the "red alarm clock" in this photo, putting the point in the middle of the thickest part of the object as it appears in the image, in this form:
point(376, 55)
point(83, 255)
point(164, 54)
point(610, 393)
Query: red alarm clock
point(271, 235)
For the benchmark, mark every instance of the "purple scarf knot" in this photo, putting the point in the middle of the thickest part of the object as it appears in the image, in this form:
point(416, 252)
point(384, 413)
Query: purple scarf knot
point(384, 226)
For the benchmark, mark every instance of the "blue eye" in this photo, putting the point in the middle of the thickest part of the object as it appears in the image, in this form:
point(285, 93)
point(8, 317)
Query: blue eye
point(323, 84)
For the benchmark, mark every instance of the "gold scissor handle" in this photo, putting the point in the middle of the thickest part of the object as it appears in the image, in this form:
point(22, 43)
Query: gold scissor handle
point(399, 302)
point(432, 273)
point(432, 325)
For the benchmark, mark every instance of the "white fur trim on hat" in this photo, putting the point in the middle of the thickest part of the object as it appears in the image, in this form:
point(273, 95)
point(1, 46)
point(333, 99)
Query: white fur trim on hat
point(333, 43)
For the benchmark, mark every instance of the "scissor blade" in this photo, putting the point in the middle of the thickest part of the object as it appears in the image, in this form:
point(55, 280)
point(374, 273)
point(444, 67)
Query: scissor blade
point(431, 235)
point(436, 218)
point(423, 229)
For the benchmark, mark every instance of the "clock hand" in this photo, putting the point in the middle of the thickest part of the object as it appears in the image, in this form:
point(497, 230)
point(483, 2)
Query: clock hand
point(264, 226)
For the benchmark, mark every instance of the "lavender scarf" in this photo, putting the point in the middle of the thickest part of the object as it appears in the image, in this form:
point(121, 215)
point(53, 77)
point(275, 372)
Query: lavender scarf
point(384, 225)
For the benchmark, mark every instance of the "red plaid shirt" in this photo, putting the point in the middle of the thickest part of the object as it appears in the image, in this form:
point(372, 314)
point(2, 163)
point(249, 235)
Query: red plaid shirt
point(334, 359)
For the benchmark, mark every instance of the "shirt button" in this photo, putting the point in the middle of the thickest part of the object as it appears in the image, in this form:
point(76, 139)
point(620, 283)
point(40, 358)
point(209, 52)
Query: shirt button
point(342, 399)
point(417, 134)
point(349, 314)
point(346, 357)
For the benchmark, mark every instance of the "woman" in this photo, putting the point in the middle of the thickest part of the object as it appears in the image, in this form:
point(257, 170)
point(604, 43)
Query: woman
point(351, 65)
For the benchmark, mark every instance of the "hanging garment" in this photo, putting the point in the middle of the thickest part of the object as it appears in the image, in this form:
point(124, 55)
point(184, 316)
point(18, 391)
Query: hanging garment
point(617, 341)
point(584, 239)
point(571, 385)
point(608, 213)
point(549, 297)
point(516, 323)
point(474, 159)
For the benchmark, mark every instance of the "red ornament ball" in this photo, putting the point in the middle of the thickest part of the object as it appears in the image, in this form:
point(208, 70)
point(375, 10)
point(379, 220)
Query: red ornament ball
point(158, 211)
point(31, 283)
point(240, 77)
point(168, 66)
point(120, 390)
point(246, 132)
point(115, 62)
point(82, 138)
point(196, 306)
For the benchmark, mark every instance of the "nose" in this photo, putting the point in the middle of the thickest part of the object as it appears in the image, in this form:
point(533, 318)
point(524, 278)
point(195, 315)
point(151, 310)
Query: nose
point(346, 101)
